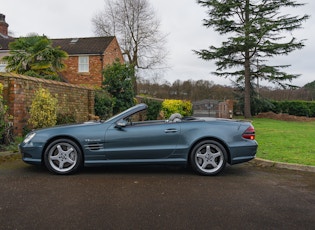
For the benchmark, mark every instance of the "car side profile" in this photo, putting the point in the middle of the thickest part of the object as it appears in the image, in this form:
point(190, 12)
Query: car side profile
point(207, 144)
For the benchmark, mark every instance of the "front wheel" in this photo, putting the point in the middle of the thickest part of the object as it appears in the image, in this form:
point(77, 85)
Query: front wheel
point(208, 158)
point(63, 156)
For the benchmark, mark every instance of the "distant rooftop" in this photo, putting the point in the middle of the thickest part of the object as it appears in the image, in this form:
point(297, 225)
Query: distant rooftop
point(91, 45)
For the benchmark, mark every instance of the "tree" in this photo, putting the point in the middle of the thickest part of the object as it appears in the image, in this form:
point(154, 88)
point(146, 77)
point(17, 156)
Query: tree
point(257, 31)
point(103, 104)
point(117, 82)
point(35, 56)
point(311, 88)
point(137, 29)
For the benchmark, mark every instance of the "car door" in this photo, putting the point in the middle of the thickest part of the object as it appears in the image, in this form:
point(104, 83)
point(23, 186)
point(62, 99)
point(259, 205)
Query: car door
point(141, 141)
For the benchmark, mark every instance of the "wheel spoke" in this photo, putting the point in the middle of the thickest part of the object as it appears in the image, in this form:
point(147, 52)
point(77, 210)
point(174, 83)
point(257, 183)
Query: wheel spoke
point(216, 155)
point(213, 163)
point(68, 151)
point(208, 150)
point(69, 160)
point(55, 157)
point(201, 156)
point(204, 164)
point(61, 164)
point(60, 150)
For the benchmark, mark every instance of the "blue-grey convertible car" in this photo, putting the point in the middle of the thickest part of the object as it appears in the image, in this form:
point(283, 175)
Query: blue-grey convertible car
point(206, 144)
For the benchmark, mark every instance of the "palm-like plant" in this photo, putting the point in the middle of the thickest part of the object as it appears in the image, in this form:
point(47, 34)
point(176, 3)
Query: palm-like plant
point(35, 56)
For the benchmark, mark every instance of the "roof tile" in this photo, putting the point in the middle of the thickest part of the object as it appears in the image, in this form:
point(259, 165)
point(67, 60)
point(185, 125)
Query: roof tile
point(92, 45)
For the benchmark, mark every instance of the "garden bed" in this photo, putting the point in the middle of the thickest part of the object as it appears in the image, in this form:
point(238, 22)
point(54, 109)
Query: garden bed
point(284, 117)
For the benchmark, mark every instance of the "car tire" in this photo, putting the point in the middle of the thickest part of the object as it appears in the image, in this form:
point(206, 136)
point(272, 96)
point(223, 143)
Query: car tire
point(208, 158)
point(63, 156)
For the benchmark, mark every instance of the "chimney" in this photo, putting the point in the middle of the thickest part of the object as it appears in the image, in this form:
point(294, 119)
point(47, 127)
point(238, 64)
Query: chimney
point(3, 25)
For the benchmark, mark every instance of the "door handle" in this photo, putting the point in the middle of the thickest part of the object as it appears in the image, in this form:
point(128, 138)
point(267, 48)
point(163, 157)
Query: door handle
point(170, 130)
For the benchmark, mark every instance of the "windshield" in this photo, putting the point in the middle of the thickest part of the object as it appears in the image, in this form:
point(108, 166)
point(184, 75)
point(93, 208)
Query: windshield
point(113, 118)
point(119, 114)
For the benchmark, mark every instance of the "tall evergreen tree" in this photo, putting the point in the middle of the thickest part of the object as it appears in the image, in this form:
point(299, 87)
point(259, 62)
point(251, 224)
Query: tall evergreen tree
point(257, 32)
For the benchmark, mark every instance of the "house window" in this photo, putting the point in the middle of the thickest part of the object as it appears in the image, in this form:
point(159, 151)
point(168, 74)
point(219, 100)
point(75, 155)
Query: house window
point(3, 64)
point(83, 64)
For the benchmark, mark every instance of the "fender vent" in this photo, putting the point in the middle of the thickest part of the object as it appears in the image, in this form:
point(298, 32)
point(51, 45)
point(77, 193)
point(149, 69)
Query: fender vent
point(93, 147)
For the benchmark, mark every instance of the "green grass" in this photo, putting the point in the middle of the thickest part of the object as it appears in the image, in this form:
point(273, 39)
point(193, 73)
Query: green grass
point(285, 141)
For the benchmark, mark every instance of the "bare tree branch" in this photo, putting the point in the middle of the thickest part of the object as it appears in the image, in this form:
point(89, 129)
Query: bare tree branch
point(137, 29)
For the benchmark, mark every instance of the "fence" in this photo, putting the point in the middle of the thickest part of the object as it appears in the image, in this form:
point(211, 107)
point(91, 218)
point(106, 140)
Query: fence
point(213, 108)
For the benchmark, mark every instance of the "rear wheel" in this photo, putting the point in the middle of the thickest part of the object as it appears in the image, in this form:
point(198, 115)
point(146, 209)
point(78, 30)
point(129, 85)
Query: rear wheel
point(63, 156)
point(208, 157)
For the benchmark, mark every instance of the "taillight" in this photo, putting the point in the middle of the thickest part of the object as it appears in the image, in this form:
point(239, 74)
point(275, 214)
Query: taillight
point(249, 133)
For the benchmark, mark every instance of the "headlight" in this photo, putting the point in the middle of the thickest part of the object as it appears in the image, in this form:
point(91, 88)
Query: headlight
point(29, 137)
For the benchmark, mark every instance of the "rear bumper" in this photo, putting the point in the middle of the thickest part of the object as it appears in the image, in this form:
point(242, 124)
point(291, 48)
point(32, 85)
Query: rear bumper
point(242, 154)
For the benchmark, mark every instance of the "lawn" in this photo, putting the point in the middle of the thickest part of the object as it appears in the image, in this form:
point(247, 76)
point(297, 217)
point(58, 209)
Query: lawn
point(285, 141)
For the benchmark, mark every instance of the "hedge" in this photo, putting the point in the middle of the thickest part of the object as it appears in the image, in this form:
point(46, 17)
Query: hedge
point(296, 108)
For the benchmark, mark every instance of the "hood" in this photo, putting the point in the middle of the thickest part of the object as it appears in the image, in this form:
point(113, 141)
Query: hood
point(68, 126)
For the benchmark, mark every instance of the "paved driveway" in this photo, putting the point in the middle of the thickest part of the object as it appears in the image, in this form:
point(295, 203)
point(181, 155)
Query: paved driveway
point(244, 197)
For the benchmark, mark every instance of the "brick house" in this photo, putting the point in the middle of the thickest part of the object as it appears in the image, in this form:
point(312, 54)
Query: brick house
point(87, 56)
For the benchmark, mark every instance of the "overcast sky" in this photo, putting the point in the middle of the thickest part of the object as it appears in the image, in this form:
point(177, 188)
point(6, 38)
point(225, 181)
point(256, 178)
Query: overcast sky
point(180, 19)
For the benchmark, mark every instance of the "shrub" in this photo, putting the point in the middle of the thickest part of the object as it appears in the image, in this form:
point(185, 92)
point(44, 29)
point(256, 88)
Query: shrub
point(259, 105)
point(43, 112)
point(118, 83)
point(65, 118)
point(154, 108)
point(312, 108)
point(6, 127)
point(103, 104)
point(177, 106)
point(3, 110)
point(297, 108)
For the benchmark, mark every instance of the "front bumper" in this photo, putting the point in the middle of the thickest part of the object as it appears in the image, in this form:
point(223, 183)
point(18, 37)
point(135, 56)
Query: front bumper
point(31, 154)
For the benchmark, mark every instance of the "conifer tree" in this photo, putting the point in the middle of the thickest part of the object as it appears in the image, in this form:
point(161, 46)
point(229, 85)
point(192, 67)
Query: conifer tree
point(256, 31)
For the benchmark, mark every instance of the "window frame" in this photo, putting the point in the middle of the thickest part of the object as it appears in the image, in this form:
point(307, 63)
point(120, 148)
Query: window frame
point(83, 64)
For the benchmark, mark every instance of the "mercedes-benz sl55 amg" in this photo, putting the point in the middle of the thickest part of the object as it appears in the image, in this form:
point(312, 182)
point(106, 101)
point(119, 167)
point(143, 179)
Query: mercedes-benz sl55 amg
point(207, 144)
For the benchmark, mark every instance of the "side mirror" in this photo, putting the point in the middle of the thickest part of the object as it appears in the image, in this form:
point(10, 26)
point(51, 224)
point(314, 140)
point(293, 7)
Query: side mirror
point(121, 123)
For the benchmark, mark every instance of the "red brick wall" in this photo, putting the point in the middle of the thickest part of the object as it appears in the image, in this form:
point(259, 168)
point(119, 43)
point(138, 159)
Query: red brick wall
point(93, 77)
point(112, 53)
point(226, 109)
point(96, 64)
point(19, 92)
